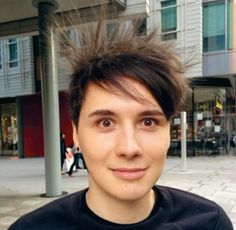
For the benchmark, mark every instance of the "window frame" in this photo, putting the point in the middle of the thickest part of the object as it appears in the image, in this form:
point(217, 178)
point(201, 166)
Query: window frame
point(14, 60)
point(207, 50)
point(170, 34)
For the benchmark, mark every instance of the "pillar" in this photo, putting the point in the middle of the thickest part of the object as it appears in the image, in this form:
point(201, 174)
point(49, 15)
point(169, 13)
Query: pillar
point(50, 101)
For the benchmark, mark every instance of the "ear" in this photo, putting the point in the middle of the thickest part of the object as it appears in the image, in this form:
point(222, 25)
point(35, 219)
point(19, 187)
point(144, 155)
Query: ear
point(75, 135)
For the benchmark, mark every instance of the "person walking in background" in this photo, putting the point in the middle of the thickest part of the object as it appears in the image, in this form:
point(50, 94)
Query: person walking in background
point(83, 161)
point(80, 157)
point(233, 141)
point(75, 151)
point(202, 136)
point(62, 149)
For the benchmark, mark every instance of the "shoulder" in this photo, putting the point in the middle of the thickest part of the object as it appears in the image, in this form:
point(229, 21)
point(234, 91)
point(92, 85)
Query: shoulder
point(53, 215)
point(174, 193)
point(188, 209)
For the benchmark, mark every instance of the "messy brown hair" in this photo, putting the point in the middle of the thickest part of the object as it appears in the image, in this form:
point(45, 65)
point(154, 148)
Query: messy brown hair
point(106, 60)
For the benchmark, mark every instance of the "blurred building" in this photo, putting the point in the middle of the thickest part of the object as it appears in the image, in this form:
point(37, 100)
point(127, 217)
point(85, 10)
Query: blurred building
point(203, 32)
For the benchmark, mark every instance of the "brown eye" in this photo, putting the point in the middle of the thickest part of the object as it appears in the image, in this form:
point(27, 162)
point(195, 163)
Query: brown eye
point(148, 122)
point(106, 123)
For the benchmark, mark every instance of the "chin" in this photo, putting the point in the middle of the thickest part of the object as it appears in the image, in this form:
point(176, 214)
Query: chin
point(132, 193)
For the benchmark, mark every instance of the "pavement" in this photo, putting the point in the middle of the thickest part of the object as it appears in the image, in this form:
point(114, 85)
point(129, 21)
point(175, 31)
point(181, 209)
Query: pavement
point(22, 182)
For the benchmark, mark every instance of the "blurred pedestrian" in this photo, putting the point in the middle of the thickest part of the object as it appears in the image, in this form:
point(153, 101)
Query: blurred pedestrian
point(233, 141)
point(62, 149)
point(75, 165)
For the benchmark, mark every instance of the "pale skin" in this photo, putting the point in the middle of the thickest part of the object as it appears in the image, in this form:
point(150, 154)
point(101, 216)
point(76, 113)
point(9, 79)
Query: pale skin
point(124, 143)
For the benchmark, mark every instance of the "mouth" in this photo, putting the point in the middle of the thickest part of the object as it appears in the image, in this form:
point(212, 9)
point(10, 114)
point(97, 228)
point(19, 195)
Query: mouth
point(129, 173)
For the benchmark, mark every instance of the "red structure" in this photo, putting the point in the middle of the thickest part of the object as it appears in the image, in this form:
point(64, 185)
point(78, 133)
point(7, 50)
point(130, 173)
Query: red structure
point(32, 124)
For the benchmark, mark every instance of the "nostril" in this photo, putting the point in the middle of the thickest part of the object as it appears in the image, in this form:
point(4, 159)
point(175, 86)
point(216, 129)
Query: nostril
point(128, 150)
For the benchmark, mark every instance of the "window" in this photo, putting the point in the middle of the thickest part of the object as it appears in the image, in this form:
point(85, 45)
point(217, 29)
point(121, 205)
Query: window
point(111, 29)
point(140, 26)
point(13, 53)
point(214, 26)
point(168, 19)
point(67, 38)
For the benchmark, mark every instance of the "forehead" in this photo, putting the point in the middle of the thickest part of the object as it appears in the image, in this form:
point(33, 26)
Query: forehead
point(130, 91)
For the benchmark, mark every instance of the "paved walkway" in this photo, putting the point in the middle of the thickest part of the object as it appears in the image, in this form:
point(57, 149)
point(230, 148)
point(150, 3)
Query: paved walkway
point(22, 182)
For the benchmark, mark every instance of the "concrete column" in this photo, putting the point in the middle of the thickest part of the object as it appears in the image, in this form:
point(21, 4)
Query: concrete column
point(183, 140)
point(49, 85)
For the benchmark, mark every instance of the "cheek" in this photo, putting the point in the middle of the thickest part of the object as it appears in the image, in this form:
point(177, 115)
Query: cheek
point(95, 147)
point(156, 144)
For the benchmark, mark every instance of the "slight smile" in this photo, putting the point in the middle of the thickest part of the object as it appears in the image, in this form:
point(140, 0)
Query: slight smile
point(129, 173)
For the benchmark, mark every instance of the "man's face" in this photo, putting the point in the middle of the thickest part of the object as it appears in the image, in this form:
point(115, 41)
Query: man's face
point(124, 142)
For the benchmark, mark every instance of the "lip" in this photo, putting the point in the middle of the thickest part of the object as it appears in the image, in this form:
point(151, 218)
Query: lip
point(129, 173)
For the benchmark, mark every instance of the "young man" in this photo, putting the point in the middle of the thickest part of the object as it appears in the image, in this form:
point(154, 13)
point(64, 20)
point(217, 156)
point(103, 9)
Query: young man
point(123, 93)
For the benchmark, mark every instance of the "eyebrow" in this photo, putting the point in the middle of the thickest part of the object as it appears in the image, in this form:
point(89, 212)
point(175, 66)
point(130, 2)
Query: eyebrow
point(152, 113)
point(104, 112)
point(101, 112)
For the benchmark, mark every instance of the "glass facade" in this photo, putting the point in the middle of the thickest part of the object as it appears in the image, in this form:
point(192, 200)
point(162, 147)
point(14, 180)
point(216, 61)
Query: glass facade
point(8, 130)
point(210, 119)
point(211, 122)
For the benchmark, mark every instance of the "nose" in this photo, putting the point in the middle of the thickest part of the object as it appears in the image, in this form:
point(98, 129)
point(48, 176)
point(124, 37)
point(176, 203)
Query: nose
point(128, 145)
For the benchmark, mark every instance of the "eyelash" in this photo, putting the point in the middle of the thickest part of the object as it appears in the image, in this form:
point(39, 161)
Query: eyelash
point(99, 122)
point(153, 120)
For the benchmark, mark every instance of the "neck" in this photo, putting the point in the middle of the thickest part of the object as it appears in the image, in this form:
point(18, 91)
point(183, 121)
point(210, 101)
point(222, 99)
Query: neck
point(126, 211)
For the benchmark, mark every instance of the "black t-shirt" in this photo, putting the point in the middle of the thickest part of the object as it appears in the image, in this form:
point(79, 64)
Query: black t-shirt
point(173, 210)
